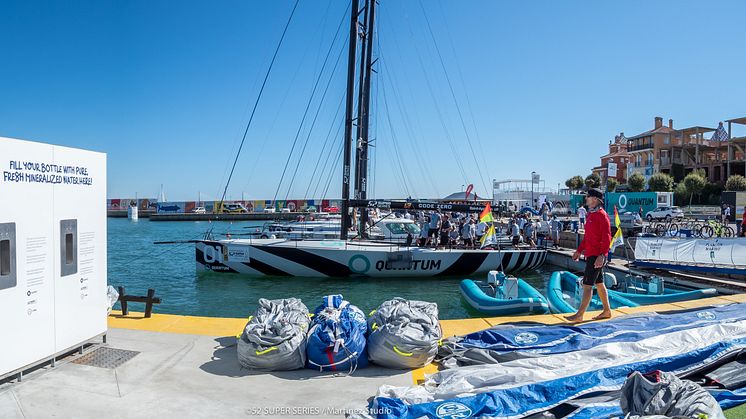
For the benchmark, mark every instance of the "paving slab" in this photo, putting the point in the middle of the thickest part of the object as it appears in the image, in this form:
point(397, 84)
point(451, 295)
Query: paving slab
point(181, 375)
point(9, 407)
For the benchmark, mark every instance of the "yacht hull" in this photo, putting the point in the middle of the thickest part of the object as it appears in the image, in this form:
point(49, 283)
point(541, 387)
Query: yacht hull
point(336, 258)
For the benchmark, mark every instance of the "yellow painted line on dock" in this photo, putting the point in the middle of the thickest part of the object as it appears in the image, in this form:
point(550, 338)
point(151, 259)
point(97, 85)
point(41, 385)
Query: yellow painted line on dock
point(462, 326)
point(172, 323)
point(648, 309)
point(222, 326)
point(737, 298)
point(699, 303)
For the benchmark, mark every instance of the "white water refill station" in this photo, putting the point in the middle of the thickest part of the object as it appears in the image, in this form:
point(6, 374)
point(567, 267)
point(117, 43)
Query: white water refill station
point(52, 251)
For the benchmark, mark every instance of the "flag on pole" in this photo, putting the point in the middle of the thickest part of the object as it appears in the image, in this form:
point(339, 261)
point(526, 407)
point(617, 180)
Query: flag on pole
point(490, 236)
point(486, 215)
point(617, 240)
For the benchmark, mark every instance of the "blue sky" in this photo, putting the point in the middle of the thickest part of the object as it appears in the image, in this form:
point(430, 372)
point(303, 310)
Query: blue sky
point(165, 88)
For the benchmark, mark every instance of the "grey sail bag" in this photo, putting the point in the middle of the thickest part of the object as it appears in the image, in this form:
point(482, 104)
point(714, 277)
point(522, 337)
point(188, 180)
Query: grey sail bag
point(403, 334)
point(274, 339)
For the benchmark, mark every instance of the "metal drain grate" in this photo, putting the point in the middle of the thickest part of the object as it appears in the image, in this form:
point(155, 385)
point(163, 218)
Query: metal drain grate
point(105, 357)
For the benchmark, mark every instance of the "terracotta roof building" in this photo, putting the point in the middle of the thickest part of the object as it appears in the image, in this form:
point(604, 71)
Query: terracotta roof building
point(645, 149)
point(617, 155)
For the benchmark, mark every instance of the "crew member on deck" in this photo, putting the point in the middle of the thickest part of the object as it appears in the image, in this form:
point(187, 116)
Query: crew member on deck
point(595, 246)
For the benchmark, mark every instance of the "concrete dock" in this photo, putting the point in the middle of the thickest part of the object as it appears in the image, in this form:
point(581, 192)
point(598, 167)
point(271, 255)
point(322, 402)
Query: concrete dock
point(186, 367)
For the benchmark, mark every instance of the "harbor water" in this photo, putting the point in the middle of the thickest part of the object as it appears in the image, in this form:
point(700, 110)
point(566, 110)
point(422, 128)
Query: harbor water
point(137, 264)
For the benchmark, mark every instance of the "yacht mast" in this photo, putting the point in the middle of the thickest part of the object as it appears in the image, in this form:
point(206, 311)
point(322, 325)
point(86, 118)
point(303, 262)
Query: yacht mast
point(354, 12)
point(363, 115)
point(362, 33)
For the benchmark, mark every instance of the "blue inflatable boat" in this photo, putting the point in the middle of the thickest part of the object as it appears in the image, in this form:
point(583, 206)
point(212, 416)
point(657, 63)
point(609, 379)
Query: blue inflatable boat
point(502, 296)
point(653, 290)
point(564, 296)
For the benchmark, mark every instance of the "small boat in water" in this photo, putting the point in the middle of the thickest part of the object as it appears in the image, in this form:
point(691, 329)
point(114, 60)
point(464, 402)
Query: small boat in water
point(564, 293)
point(501, 295)
point(653, 290)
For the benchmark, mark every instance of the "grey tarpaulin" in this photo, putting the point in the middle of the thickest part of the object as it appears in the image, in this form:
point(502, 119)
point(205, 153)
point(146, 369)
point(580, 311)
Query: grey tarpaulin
point(275, 336)
point(659, 395)
point(731, 375)
point(403, 333)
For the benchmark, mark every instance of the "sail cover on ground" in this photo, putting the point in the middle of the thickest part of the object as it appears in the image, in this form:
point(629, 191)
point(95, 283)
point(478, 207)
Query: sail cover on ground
point(591, 362)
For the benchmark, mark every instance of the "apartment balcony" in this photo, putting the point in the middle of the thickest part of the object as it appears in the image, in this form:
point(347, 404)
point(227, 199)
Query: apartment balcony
point(639, 147)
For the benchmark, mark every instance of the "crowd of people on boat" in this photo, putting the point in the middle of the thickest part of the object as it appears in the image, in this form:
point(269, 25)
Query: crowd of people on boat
point(439, 229)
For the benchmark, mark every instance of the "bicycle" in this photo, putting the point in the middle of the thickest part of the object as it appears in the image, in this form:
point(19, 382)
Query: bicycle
point(670, 229)
point(694, 226)
point(716, 228)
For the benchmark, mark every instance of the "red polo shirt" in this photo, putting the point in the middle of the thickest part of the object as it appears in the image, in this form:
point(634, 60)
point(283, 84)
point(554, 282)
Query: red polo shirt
point(597, 239)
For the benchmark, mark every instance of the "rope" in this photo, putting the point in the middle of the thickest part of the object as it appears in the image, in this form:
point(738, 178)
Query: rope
point(258, 98)
point(453, 95)
point(315, 117)
point(305, 112)
point(323, 148)
point(396, 149)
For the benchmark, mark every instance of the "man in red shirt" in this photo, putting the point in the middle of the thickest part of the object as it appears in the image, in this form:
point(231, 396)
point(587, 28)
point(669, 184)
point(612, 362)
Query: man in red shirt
point(595, 246)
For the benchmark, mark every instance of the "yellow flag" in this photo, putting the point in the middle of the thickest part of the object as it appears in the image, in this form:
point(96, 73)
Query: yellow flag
point(490, 237)
point(617, 240)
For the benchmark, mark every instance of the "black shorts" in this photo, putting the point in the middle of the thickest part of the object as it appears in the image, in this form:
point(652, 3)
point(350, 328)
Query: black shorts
point(592, 275)
point(516, 240)
point(433, 232)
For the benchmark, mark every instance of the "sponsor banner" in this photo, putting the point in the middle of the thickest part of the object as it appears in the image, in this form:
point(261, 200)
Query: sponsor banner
point(178, 207)
point(236, 253)
point(170, 207)
point(720, 252)
point(122, 204)
point(727, 252)
point(631, 201)
point(611, 170)
point(145, 204)
point(577, 200)
point(426, 206)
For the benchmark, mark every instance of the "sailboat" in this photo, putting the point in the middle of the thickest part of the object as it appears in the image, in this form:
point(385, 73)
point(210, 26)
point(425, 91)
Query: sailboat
point(359, 256)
